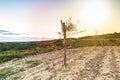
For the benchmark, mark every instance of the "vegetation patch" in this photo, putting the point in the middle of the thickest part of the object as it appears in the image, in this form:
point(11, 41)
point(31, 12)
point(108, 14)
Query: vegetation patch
point(14, 55)
point(32, 63)
point(81, 57)
point(4, 73)
point(13, 51)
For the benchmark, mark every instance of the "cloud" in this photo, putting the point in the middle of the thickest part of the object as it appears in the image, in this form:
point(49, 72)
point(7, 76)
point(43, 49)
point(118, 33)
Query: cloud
point(16, 39)
point(7, 36)
point(22, 39)
point(2, 31)
point(5, 32)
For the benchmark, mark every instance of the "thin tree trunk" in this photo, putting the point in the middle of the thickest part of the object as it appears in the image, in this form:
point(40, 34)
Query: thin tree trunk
point(65, 47)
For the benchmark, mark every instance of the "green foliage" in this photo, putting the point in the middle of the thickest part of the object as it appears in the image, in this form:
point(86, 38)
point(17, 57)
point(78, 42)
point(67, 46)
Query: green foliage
point(38, 50)
point(4, 73)
point(67, 27)
point(51, 47)
point(6, 57)
point(13, 54)
point(33, 63)
point(74, 43)
point(14, 45)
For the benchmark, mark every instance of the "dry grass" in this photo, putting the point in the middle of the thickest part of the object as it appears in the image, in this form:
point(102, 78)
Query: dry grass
point(82, 64)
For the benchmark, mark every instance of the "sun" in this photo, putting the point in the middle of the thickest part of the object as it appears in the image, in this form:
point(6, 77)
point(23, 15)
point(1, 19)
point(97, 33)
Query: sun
point(94, 13)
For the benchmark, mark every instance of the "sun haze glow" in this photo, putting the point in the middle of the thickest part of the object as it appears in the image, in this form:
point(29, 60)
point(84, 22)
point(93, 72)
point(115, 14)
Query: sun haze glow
point(94, 13)
point(41, 18)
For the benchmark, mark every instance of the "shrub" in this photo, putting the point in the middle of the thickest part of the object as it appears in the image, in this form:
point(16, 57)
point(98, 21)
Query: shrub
point(11, 55)
point(7, 57)
point(51, 47)
point(38, 50)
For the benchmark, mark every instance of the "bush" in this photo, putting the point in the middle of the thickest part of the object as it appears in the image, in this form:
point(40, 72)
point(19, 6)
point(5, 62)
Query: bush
point(10, 55)
point(38, 50)
point(51, 47)
point(7, 57)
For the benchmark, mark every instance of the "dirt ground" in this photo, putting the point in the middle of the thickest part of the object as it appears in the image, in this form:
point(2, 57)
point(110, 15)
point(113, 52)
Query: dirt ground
point(88, 63)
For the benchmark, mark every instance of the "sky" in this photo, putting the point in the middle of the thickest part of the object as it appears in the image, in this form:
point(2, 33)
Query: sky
point(23, 20)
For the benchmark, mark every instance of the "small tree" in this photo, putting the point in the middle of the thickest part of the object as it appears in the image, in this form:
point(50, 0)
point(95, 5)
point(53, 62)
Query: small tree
point(67, 28)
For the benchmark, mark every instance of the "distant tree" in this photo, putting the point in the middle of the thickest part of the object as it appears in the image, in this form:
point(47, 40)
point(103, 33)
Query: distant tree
point(67, 29)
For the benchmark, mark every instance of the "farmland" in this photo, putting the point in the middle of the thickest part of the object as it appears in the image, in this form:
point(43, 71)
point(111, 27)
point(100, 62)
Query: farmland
point(86, 63)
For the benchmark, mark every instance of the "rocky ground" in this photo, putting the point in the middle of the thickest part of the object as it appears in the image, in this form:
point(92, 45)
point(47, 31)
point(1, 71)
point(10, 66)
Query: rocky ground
point(88, 63)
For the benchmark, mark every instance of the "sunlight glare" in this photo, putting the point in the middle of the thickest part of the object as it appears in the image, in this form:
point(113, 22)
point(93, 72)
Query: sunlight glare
point(95, 13)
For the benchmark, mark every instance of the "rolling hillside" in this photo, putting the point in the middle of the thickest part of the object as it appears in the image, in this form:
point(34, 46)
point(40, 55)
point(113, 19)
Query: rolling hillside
point(82, 64)
point(88, 58)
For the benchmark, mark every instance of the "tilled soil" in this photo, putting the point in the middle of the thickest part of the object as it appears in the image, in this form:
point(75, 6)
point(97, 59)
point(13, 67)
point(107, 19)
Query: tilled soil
point(88, 63)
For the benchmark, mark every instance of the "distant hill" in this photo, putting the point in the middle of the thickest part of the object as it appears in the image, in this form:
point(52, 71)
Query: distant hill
point(103, 36)
point(13, 50)
point(112, 39)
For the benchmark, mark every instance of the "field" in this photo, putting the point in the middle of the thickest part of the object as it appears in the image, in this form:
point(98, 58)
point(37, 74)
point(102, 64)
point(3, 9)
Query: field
point(86, 63)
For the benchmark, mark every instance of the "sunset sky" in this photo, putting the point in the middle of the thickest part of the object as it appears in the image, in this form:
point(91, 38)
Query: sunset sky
point(34, 19)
